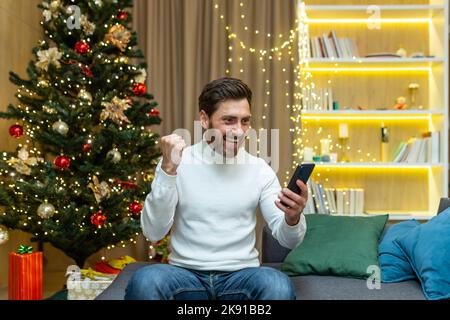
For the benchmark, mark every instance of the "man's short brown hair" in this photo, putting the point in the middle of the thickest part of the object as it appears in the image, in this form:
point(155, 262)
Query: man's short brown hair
point(221, 90)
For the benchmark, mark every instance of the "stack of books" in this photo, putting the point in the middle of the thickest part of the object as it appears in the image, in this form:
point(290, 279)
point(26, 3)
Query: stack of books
point(337, 201)
point(318, 99)
point(330, 46)
point(419, 150)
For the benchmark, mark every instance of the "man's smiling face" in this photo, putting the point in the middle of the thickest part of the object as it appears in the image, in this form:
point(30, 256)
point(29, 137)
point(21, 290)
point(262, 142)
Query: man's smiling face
point(232, 120)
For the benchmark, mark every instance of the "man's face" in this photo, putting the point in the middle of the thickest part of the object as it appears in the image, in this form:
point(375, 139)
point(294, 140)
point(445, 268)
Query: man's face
point(232, 120)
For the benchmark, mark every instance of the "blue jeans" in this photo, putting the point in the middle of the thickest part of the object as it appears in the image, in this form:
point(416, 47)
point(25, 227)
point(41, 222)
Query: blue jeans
point(169, 282)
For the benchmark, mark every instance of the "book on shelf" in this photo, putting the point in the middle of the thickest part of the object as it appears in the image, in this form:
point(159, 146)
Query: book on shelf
point(318, 99)
point(340, 201)
point(425, 149)
point(330, 46)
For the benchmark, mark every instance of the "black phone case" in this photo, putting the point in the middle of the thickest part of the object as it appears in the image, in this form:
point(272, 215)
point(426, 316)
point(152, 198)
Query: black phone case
point(303, 172)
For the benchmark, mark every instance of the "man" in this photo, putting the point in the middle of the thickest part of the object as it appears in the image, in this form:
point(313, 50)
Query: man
point(209, 207)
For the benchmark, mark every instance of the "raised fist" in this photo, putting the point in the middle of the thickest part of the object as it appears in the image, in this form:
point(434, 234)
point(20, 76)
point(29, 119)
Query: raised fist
point(172, 149)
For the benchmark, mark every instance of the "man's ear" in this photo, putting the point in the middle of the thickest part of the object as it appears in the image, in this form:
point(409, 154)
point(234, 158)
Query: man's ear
point(204, 120)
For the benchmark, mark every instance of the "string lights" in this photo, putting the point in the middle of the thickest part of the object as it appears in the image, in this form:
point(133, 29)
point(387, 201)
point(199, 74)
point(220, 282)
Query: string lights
point(294, 47)
point(281, 57)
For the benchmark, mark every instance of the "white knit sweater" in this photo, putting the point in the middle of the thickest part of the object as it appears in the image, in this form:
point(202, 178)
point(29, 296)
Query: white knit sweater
point(211, 208)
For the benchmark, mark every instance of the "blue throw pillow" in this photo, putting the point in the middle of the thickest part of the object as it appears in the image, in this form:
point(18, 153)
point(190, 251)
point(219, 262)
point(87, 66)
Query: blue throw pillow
point(427, 248)
point(394, 265)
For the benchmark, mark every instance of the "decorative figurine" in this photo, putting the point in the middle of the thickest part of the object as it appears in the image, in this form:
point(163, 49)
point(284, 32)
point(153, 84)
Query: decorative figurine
point(400, 103)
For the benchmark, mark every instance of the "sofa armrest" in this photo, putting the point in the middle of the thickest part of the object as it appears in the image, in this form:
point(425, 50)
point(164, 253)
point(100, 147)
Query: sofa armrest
point(272, 250)
point(443, 204)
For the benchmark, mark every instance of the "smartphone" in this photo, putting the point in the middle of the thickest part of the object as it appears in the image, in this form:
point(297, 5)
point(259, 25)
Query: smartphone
point(303, 172)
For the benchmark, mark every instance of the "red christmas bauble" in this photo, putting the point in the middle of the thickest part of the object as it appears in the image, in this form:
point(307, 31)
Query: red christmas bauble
point(62, 162)
point(154, 112)
point(139, 89)
point(16, 131)
point(87, 147)
point(82, 47)
point(122, 15)
point(98, 219)
point(135, 208)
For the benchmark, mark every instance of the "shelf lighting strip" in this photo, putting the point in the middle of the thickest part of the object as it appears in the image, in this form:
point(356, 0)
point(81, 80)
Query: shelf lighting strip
point(375, 165)
point(366, 118)
point(371, 21)
point(368, 69)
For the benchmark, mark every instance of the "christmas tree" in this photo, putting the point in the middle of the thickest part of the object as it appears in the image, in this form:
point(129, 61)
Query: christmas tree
point(86, 160)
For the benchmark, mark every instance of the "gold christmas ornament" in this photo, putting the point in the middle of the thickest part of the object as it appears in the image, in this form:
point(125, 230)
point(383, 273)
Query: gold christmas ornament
point(119, 36)
point(101, 190)
point(122, 59)
point(114, 155)
point(4, 236)
point(22, 163)
point(48, 57)
point(43, 83)
point(85, 95)
point(46, 210)
point(148, 176)
point(114, 110)
point(51, 9)
point(88, 27)
point(61, 127)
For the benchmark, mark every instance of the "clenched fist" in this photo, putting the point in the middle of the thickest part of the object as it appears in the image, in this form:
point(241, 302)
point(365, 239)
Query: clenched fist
point(172, 149)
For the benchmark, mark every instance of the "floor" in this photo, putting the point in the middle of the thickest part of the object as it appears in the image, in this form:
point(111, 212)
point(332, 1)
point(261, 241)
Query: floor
point(53, 282)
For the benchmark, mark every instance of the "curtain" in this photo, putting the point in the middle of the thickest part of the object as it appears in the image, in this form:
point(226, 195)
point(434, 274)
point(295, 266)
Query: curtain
point(186, 45)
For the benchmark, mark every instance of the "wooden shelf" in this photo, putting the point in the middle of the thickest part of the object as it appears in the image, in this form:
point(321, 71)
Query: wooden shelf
point(378, 112)
point(375, 64)
point(387, 11)
point(377, 82)
point(419, 62)
point(377, 165)
point(372, 113)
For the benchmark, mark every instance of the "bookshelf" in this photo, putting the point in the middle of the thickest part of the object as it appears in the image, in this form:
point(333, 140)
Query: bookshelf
point(366, 89)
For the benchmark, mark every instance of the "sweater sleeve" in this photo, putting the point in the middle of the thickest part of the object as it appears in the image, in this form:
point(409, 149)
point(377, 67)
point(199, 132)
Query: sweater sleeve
point(160, 204)
point(288, 236)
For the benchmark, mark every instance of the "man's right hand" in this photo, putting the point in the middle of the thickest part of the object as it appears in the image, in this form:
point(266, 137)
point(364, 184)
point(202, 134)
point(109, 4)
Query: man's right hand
point(172, 149)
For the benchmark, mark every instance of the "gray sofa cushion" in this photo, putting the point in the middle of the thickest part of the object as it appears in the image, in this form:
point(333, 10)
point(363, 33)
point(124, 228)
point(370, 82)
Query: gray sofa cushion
point(307, 287)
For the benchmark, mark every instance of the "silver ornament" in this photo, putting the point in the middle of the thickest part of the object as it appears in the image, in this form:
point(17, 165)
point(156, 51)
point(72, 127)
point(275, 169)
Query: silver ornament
point(46, 210)
point(61, 127)
point(85, 95)
point(114, 155)
point(4, 236)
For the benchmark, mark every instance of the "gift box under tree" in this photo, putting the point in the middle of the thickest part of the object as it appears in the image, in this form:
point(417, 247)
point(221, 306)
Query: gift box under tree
point(25, 274)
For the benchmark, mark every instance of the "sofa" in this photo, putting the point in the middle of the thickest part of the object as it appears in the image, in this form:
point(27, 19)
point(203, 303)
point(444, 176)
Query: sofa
point(311, 287)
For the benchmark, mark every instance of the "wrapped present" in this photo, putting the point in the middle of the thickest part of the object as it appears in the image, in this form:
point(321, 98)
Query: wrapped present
point(86, 284)
point(25, 274)
point(104, 267)
point(121, 263)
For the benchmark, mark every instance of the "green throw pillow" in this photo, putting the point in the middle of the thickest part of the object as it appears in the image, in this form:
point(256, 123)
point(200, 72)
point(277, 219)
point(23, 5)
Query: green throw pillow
point(337, 245)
